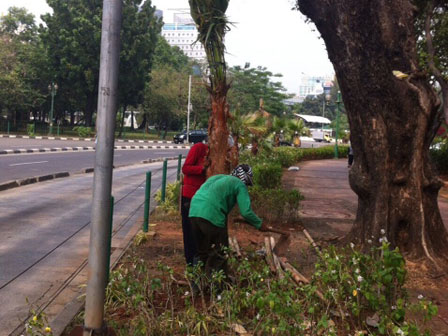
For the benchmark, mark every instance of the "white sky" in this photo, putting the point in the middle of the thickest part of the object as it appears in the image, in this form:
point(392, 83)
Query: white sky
point(265, 32)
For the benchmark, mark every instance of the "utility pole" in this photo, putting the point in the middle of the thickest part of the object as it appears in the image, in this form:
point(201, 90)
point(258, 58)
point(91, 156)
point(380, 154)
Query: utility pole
point(102, 179)
point(188, 109)
point(52, 88)
point(338, 111)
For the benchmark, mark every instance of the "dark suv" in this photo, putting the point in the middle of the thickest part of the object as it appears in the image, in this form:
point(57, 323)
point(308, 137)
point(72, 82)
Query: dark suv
point(194, 136)
point(180, 138)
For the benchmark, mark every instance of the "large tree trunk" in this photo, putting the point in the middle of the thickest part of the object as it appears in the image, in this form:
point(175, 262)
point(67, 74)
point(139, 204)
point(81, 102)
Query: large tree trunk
point(120, 133)
point(218, 133)
point(392, 121)
point(90, 108)
point(132, 120)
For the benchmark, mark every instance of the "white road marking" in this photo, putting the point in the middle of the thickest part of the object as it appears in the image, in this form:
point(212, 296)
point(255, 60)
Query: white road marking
point(21, 146)
point(26, 163)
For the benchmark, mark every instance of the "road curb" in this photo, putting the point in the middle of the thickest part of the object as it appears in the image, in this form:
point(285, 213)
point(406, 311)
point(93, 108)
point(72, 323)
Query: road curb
point(31, 180)
point(77, 149)
point(8, 185)
point(76, 139)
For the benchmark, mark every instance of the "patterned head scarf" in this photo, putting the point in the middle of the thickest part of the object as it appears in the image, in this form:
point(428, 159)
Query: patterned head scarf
point(244, 173)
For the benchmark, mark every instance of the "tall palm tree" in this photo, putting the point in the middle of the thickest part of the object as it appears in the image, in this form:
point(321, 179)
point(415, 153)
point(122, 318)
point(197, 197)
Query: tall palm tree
point(212, 24)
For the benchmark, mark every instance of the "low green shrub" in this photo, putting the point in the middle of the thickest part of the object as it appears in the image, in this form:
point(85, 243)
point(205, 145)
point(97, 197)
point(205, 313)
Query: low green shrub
point(267, 175)
point(83, 131)
point(369, 286)
point(326, 152)
point(172, 194)
point(275, 205)
point(287, 156)
point(37, 324)
point(30, 129)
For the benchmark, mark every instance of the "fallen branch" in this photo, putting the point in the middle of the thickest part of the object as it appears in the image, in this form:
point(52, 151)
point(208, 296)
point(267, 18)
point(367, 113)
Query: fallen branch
point(311, 240)
point(297, 276)
point(237, 247)
point(179, 282)
point(277, 265)
point(232, 244)
point(269, 257)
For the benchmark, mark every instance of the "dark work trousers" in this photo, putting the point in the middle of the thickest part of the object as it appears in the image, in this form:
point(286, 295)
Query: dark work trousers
point(210, 243)
point(189, 242)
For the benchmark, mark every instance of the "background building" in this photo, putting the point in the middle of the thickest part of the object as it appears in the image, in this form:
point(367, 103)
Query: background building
point(182, 33)
point(313, 85)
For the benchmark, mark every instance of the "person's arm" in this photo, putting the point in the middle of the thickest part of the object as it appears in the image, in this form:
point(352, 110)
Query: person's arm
point(243, 200)
point(191, 166)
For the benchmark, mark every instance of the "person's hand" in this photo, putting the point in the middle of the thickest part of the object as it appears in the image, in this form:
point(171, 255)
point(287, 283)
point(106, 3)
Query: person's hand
point(206, 162)
point(263, 227)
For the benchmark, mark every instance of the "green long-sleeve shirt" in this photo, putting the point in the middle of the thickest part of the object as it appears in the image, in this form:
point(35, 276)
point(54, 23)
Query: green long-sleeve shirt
point(217, 197)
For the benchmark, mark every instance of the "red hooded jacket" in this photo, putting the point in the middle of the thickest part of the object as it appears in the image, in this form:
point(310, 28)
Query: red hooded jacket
point(193, 169)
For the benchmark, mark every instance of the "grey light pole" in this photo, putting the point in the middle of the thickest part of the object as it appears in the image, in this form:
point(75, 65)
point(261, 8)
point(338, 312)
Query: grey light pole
point(338, 111)
point(188, 109)
point(52, 88)
point(102, 179)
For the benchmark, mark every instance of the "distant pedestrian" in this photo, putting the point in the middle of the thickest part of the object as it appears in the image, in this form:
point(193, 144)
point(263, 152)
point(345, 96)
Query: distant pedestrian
point(194, 176)
point(276, 139)
point(296, 139)
point(350, 156)
point(281, 137)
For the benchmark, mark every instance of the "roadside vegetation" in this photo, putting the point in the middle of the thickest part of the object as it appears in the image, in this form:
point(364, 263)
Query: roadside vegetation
point(362, 294)
point(349, 291)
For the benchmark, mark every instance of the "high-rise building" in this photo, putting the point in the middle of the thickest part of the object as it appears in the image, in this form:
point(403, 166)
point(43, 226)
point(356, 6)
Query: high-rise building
point(313, 85)
point(158, 14)
point(182, 33)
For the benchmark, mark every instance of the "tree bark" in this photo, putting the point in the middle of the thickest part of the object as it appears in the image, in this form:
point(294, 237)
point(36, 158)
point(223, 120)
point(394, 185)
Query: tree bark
point(132, 120)
point(120, 133)
point(218, 133)
point(392, 121)
point(90, 108)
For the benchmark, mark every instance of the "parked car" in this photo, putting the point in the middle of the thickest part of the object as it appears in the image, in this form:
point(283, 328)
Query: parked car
point(194, 136)
point(198, 136)
point(180, 138)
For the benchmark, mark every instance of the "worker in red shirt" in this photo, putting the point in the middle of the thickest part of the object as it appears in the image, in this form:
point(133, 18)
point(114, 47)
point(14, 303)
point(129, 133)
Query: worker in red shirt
point(194, 176)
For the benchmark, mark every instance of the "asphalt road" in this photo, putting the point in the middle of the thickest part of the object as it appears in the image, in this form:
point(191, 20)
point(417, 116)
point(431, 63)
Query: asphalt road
point(14, 143)
point(16, 166)
point(19, 143)
point(44, 238)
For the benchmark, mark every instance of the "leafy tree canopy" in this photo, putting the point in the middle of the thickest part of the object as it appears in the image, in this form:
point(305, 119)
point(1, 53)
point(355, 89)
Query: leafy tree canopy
point(251, 84)
point(23, 65)
point(167, 55)
point(20, 23)
point(72, 36)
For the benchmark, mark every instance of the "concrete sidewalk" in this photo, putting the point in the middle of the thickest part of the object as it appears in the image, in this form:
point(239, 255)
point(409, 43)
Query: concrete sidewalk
point(329, 207)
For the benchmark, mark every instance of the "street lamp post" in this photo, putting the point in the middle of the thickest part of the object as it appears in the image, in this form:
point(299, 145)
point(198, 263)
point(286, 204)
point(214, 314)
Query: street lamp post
point(338, 109)
point(188, 109)
point(52, 88)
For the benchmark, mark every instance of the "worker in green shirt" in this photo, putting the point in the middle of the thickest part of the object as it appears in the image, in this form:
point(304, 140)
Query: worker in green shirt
point(208, 214)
